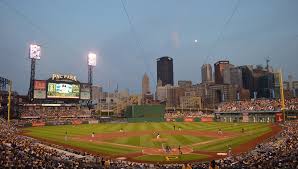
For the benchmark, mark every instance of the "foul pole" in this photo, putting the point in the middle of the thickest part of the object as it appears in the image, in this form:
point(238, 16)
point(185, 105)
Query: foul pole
point(282, 97)
point(9, 101)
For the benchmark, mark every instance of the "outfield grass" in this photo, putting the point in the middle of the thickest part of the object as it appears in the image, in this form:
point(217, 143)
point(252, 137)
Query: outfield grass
point(57, 133)
point(171, 140)
point(252, 132)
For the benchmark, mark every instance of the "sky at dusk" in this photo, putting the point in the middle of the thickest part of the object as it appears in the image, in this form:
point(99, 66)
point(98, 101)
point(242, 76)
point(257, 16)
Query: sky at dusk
point(243, 32)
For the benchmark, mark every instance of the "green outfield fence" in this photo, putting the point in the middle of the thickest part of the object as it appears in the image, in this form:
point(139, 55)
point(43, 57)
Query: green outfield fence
point(143, 113)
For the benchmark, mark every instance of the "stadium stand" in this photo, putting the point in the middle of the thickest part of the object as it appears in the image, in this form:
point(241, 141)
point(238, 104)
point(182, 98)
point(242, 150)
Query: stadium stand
point(2, 120)
point(257, 105)
point(184, 114)
point(33, 114)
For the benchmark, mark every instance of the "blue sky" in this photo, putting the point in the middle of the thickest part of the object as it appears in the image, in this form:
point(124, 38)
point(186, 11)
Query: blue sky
point(69, 29)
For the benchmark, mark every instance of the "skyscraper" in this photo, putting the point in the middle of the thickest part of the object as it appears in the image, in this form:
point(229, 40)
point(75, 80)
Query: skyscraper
point(236, 76)
point(165, 70)
point(206, 71)
point(219, 68)
point(145, 85)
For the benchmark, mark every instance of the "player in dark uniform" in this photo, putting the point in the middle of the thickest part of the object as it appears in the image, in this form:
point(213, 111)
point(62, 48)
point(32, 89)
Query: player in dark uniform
point(65, 137)
point(179, 149)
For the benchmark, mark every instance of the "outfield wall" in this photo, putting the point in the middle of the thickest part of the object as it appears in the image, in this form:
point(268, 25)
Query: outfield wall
point(143, 113)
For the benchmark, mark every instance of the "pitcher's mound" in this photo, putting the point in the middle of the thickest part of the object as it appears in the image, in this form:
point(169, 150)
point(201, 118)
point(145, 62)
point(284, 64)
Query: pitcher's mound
point(159, 139)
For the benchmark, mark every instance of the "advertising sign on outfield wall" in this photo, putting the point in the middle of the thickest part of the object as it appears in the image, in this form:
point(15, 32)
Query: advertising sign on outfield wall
point(206, 119)
point(75, 122)
point(37, 124)
point(93, 121)
point(188, 119)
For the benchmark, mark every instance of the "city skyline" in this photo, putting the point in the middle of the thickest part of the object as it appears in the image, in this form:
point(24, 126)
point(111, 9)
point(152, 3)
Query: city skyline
point(192, 34)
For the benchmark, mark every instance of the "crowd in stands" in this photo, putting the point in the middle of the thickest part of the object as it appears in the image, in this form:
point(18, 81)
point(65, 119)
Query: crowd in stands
point(50, 114)
point(184, 114)
point(258, 105)
point(17, 151)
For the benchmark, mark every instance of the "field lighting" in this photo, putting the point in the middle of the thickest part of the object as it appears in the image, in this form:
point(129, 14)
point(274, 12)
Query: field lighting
point(92, 59)
point(91, 64)
point(34, 51)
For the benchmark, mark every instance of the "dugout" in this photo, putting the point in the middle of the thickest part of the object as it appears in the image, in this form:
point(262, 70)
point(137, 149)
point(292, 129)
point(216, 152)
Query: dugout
point(143, 113)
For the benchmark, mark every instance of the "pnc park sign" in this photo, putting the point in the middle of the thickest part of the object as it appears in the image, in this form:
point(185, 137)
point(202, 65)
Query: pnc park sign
point(64, 77)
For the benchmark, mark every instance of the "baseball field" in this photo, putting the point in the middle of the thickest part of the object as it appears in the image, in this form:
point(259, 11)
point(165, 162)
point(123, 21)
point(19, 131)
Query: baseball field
point(164, 142)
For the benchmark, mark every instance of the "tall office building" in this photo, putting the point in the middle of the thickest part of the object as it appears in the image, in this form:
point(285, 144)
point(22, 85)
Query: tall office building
point(206, 71)
point(247, 77)
point(165, 70)
point(227, 74)
point(236, 76)
point(219, 68)
point(145, 85)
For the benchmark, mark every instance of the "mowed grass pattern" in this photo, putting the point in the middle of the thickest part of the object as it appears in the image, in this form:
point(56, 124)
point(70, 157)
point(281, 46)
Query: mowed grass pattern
point(57, 133)
point(171, 140)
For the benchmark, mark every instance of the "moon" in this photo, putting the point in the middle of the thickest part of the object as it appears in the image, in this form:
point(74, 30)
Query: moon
point(196, 41)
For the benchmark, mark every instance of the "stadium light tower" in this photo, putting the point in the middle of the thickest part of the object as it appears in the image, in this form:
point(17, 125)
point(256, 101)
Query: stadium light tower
point(34, 54)
point(91, 64)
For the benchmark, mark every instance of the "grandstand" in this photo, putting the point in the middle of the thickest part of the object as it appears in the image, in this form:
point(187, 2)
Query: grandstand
point(261, 110)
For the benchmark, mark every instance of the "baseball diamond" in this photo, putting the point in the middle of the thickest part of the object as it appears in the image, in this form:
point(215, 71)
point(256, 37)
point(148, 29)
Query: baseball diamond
point(196, 141)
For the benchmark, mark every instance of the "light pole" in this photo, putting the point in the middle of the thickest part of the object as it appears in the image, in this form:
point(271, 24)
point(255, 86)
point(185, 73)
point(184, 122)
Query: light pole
point(91, 64)
point(34, 54)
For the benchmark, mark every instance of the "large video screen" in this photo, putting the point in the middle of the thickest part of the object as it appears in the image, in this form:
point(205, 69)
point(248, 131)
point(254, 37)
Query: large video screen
point(63, 90)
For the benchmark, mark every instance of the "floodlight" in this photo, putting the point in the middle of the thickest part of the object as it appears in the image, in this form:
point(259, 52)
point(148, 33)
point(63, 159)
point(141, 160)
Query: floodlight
point(34, 51)
point(92, 59)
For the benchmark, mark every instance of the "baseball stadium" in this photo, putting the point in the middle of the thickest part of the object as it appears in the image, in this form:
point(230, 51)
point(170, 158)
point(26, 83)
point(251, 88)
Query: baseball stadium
point(70, 135)
point(60, 124)
point(94, 101)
